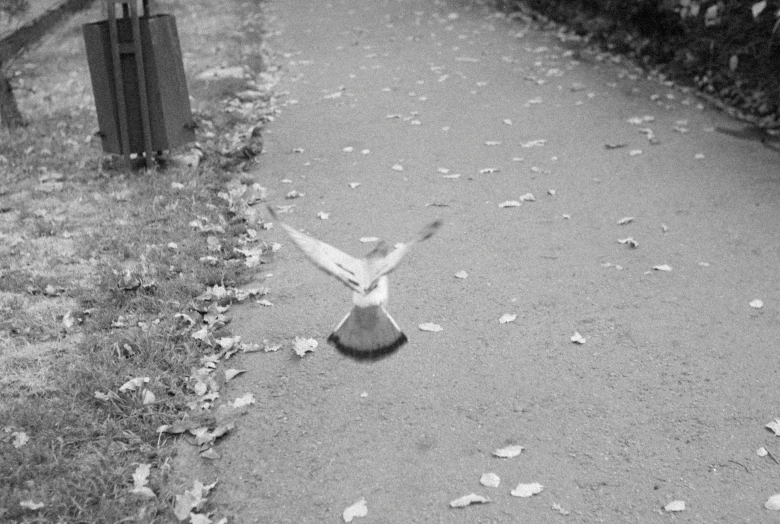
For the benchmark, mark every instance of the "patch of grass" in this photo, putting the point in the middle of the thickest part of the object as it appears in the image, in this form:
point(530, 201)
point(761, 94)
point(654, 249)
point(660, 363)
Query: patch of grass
point(95, 264)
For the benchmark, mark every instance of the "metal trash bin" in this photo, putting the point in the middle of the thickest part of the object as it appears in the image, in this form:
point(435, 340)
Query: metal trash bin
point(151, 109)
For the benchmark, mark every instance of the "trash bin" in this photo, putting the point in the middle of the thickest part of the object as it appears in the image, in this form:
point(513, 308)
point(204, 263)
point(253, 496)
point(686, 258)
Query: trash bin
point(140, 109)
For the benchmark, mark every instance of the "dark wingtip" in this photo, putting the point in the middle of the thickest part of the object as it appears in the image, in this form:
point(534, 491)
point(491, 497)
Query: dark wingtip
point(430, 229)
point(370, 355)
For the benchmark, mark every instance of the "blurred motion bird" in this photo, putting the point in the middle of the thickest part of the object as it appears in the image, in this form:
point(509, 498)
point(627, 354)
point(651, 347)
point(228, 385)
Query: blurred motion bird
point(367, 332)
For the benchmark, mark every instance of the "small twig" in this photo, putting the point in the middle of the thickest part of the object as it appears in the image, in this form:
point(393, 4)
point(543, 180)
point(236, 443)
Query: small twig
point(739, 463)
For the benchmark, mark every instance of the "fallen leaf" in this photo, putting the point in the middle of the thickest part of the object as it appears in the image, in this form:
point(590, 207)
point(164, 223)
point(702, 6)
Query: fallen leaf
point(323, 215)
point(507, 317)
point(192, 499)
point(773, 503)
point(630, 241)
point(358, 509)
point(304, 345)
point(528, 197)
point(675, 505)
point(615, 145)
point(663, 267)
point(294, 194)
point(756, 303)
point(774, 426)
point(461, 274)
point(551, 192)
point(29, 504)
point(430, 326)
point(625, 220)
point(240, 402)
point(577, 338)
point(140, 479)
point(508, 451)
point(527, 490)
point(20, 439)
point(510, 203)
point(490, 480)
point(467, 500)
point(231, 373)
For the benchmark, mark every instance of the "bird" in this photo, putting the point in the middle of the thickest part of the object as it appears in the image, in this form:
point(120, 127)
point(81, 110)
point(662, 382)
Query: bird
point(367, 332)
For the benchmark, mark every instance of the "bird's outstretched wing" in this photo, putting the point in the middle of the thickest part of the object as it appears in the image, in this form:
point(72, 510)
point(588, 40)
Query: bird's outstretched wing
point(349, 270)
point(388, 263)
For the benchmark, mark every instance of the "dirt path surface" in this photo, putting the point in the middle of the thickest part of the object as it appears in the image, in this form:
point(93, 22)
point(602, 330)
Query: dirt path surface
point(667, 398)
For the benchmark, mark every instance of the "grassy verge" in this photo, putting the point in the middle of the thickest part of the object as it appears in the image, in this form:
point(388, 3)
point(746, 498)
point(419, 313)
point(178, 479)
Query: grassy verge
point(102, 272)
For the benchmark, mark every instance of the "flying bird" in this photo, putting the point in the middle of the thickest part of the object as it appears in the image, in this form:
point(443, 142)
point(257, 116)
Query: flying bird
point(367, 332)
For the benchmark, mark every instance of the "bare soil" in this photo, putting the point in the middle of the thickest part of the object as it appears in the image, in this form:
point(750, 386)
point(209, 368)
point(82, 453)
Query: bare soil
point(668, 397)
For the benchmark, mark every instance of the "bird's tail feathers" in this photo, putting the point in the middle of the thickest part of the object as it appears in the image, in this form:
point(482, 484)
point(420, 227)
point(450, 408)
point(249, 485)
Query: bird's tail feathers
point(367, 333)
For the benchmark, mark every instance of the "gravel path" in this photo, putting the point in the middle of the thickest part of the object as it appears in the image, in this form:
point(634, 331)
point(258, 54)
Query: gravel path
point(669, 394)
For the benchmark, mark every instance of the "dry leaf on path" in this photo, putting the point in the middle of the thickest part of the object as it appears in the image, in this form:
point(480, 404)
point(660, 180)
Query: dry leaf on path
point(510, 203)
point(675, 505)
point(461, 274)
point(490, 480)
point(467, 500)
point(304, 345)
point(508, 451)
point(240, 402)
point(358, 509)
point(231, 373)
point(630, 241)
point(625, 220)
point(774, 426)
point(527, 490)
point(663, 267)
point(773, 503)
point(528, 197)
point(430, 326)
point(507, 317)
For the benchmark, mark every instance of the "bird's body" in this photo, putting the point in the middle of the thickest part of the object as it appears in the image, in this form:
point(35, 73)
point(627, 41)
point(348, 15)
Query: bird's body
point(367, 332)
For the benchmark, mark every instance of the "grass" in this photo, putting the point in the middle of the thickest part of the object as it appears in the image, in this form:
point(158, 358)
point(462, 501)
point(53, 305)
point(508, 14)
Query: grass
point(96, 261)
